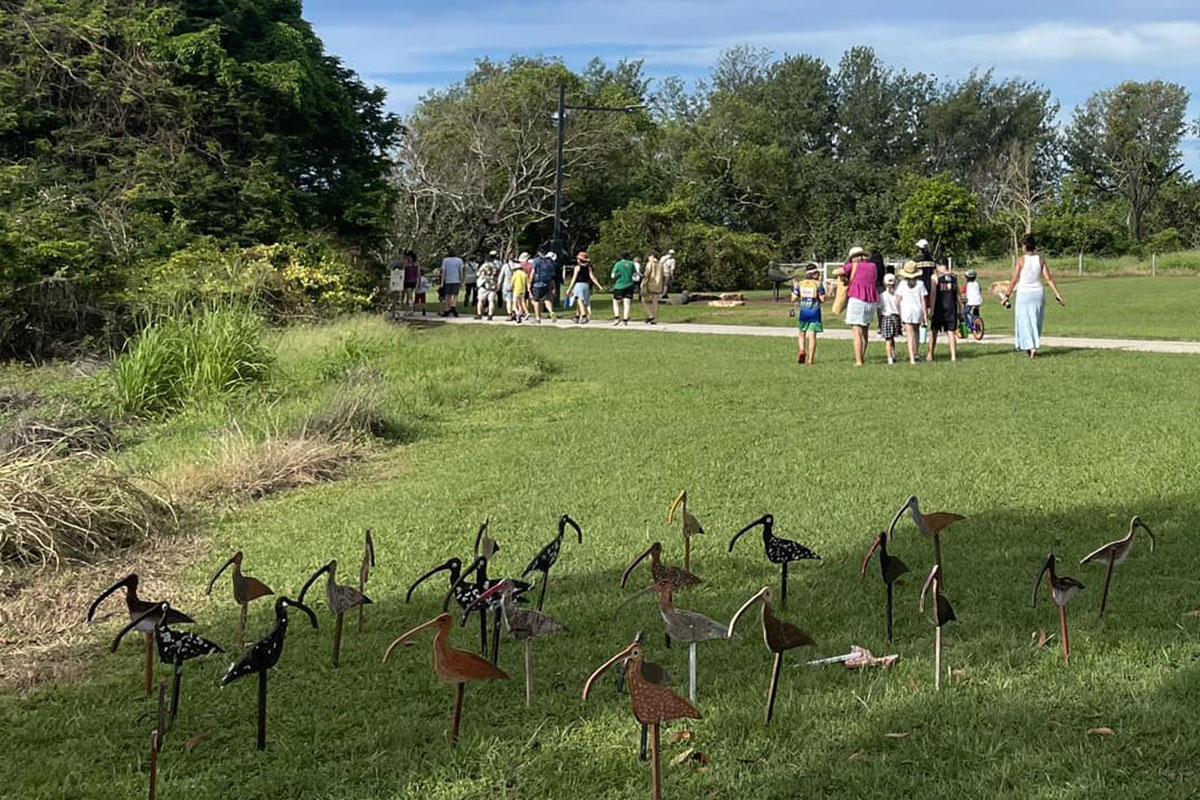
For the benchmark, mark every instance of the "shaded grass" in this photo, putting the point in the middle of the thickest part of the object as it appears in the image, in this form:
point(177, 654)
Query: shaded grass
point(1166, 307)
point(1020, 447)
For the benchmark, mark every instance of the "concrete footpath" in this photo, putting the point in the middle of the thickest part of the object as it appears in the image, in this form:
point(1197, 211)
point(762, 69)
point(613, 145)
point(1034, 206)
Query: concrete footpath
point(1138, 345)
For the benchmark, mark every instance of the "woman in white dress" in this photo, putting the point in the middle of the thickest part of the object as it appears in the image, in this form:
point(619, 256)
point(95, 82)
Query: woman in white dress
point(1026, 282)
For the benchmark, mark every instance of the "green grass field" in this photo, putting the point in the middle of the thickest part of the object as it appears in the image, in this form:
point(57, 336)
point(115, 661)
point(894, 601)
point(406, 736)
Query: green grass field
point(1050, 455)
point(1165, 307)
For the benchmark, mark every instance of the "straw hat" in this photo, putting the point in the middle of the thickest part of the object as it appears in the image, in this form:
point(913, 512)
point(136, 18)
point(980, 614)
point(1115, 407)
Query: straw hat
point(524, 256)
point(856, 252)
point(909, 270)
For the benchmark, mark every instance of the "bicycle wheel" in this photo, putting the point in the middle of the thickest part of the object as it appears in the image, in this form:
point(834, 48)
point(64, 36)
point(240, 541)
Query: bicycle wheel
point(977, 328)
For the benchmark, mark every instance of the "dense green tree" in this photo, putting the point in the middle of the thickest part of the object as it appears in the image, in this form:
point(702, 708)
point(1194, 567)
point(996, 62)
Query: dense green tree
point(944, 213)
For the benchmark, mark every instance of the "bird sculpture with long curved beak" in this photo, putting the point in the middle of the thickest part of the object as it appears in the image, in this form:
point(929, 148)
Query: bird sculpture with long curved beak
point(779, 635)
point(779, 551)
point(651, 672)
point(453, 666)
point(263, 655)
point(245, 589)
point(930, 525)
point(890, 568)
point(364, 573)
point(174, 647)
point(1115, 553)
point(942, 613)
point(479, 568)
point(1062, 589)
point(691, 526)
point(684, 627)
point(523, 624)
point(464, 594)
point(547, 557)
point(339, 597)
point(680, 578)
point(137, 608)
point(652, 704)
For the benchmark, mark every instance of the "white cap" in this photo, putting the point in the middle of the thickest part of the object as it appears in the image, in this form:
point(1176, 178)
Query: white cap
point(553, 256)
point(889, 278)
point(670, 252)
point(922, 244)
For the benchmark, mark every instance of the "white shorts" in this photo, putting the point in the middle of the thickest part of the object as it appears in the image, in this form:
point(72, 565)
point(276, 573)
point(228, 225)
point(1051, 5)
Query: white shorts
point(487, 297)
point(859, 312)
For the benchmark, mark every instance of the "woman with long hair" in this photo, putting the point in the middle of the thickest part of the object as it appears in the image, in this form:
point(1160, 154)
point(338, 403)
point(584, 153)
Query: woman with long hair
point(1028, 273)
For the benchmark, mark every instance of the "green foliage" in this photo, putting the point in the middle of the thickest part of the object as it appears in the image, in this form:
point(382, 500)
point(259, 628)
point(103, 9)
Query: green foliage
point(708, 256)
point(944, 213)
point(189, 357)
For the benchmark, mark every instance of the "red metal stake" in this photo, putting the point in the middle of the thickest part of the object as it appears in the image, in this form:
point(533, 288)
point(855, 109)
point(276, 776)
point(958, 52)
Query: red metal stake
point(655, 767)
point(1062, 618)
point(454, 720)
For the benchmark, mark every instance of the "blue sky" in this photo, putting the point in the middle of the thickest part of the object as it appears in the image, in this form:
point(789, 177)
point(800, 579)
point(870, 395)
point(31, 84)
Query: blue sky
point(1072, 47)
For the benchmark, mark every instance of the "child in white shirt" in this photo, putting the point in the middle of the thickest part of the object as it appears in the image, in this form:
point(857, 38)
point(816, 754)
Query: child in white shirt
point(974, 298)
point(914, 313)
point(889, 315)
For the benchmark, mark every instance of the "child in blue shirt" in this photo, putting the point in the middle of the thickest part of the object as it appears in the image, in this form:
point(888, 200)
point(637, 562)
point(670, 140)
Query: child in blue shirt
point(807, 296)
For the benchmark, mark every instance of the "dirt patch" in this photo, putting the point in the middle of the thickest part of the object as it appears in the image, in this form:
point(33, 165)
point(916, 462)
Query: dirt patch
point(44, 636)
point(18, 400)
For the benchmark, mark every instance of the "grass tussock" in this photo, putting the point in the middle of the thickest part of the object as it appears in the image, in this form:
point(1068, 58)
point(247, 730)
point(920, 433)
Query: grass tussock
point(245, 469)
point(54, 510)
point(29, 436)
point(190, 357)
point(357, 415)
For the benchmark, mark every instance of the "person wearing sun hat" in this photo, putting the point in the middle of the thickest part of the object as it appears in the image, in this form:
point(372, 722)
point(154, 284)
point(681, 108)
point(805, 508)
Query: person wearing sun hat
point(914, 312)
point(807, 295)
point(889, 316)
point(583, 278)
point(863, 299)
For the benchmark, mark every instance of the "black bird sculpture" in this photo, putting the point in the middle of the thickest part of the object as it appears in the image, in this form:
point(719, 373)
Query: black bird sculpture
point(464, 594)
point(137, 607)
point(779, 551)
point(548, 555)
point(263, 655)
point(364, 573)
point(174, 647)
point(890, 567)
point(479, 568)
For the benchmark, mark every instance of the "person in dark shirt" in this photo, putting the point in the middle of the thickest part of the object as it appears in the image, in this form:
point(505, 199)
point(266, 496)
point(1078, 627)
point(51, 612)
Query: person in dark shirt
point(946, 310)
point(541, 289)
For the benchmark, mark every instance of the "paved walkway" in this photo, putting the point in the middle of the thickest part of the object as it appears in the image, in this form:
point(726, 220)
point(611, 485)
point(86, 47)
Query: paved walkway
point(1140, 345)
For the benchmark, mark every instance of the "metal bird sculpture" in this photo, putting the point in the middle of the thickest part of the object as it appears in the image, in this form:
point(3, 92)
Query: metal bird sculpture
point(523, 624)
point(339, 597)
point(890, 568)
point(779, 635)
point(464, 593)
point(691, 526)
point(930, 525)
point(137, 607)
point(1115, 553)
point(651, 672)
point(684, 627)
point(548, 555)
point(263, 655)
point(456, 667)
point(1062, 589)
point(245, 589)
point(364, 573)
point(174, 647)
point(942, 613)
point(779, 551)
point(479, 568)
point(652, 705)
point(680, 578)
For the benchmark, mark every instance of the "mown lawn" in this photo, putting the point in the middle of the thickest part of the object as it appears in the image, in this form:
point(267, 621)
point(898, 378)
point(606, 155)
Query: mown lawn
point(1165, 307)
point(1050, 455)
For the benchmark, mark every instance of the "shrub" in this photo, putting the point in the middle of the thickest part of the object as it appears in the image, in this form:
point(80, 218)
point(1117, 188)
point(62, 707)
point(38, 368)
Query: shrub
point(74, 508)
point(189, 356)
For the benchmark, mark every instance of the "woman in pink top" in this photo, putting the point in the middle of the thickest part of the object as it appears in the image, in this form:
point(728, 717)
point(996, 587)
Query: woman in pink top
point(863, 302)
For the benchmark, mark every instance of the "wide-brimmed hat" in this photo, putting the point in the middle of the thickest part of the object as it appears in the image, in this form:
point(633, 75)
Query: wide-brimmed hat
point(888, 279)
point(524, 256)
point(909, 270)
point(582, 257)
point(856, 251)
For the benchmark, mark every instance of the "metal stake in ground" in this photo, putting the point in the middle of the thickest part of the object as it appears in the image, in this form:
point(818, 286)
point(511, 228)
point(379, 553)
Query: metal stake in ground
point(780, 636)
point(523, 624)
point(156, 739)
point(778, 551)
point(263, 655)
point(942, 613)
point(1115, 553)
point(453, 666)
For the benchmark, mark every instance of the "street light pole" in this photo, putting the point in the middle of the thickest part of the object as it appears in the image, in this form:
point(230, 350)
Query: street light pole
point(563, 108)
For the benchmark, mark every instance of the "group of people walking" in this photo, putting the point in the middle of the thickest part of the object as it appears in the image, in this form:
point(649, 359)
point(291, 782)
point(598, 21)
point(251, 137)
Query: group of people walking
point(528, 285)
point(922, 301)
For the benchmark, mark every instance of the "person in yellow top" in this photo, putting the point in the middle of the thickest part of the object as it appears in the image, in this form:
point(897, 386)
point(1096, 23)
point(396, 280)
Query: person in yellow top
point(520, 290)
point(807, 296)
point(652, 287)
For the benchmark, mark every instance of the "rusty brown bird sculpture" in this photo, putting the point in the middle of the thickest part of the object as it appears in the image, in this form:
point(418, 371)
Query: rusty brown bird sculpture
point(780, 636)
point(1062, 589)
point(451, 665)
point(930, 525)
point(245, 589)
point(680, 578)
point(138, 609)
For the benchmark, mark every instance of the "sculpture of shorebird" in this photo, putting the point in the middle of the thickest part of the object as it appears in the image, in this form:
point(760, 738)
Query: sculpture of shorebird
point(364, 573)
point(137, 608)
point(691, 526)
point(778, 551)
point(1062, 589)
point(547, 557)
point(1115, 553)
point(340, 598)
point(245, 589)
point(523, 624)
point(680, 578)
point(890, 568)
point(779, 635)
point(942, 613)
point(930, 525)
